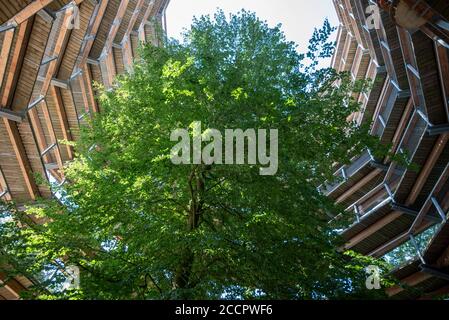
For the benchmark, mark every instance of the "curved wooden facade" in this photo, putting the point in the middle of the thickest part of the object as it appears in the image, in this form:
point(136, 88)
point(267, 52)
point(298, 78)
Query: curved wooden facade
point(408, 107)
point(51, 51)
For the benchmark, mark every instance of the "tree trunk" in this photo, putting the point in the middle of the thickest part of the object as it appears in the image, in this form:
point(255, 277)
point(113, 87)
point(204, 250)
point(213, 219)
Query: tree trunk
point(184, 270)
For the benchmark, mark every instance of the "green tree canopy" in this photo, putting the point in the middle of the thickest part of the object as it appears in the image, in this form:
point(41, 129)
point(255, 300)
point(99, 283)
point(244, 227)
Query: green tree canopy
point(139, 226)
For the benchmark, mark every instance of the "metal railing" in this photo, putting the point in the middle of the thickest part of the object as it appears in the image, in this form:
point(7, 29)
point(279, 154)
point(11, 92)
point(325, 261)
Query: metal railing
point(425, 218)
point(345, 172)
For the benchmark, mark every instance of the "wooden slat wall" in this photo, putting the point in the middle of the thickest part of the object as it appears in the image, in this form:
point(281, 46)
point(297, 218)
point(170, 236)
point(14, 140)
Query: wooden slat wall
point(10, 7)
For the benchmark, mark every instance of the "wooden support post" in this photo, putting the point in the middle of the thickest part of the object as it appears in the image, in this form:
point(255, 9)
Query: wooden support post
point(12, 75)
point(90, 93)
point(4, 54)
point(427, 168)
point(91, 34)
point(114, 29)
point(19, 150)
point(62, 118)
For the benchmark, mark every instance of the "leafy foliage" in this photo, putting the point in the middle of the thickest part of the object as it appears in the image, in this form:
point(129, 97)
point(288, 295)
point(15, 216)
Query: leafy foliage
point(140, 227)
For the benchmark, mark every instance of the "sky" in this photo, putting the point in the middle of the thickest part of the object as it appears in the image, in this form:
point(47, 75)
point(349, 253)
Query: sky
point(298, 17)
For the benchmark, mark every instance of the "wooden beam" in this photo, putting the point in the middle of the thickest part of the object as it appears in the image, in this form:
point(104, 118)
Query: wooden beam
point(41, 142)
point(62, 118)
point(51, 70)
point(141, 29)
point(417, 187)
point(127, 55)
point(107, 63)
point(358, 185)
point(427, 168)
point(51, 132)
point(405, 236)
point(420, 223)
point(402, 126)
point(436, 293)
point(33, 114)
point(146, 15)
point(94, 24)
point(133, 20)
point(4, 53)
point(12, 285)
point(17, 56)
point(371, 230)
point(111, 67)
point(409, 281)
point(19, 150)
point(90, 92)
point(29, 11)
point(114, 29)
point(125, 43)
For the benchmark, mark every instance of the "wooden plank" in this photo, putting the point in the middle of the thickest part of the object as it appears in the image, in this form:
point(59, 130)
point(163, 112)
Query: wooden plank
point(133, 20)
point(12, 285)
point(92, 33)
point(114, 29)
point(17, 56)
point(51, 71)
point(358, 185)
point(146, 15)
point(22, 158)
point(90, 92)
point(125, 44)
point(4, 54)
point(371, 229)
point(83, 90)
point(427, 168)
point(53, 139)
point(402, 126)
point(41, 142)
point(127, 55)
point(29, 11)
point(428, 203)
point(108, 69)
point(410, 281)
point(436, 293)
point(112, 70)
point(396, 242)
point(33, 114)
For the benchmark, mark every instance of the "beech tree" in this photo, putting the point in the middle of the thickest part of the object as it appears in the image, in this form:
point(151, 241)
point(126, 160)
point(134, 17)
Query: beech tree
point(140, 227)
